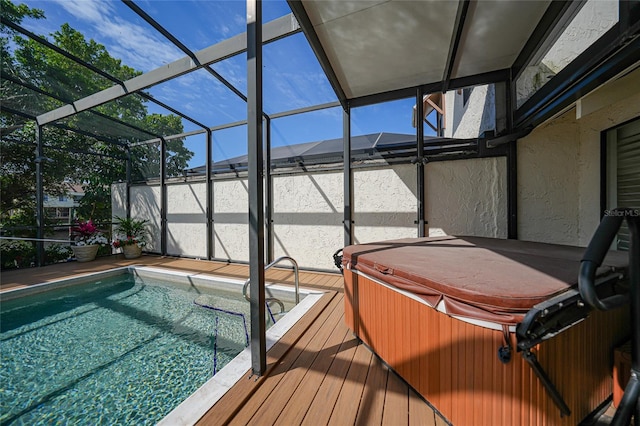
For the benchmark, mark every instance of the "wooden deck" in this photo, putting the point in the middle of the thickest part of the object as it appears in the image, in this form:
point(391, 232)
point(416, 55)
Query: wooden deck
point(317, 374)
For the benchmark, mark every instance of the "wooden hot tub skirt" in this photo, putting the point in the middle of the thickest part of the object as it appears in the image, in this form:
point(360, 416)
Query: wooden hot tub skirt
point(454, 364)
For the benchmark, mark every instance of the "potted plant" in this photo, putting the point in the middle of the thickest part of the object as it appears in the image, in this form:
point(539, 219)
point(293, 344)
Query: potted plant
point(131, 236)
point(87, 239)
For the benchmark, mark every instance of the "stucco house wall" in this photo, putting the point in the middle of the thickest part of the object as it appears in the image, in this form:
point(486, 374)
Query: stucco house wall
point(559, 167)
point(118, 200)
point(467, 197)
point(472, 119)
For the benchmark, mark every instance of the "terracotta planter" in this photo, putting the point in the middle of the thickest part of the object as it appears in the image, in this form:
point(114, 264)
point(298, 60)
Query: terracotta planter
point(85, 253)
point(131, 251)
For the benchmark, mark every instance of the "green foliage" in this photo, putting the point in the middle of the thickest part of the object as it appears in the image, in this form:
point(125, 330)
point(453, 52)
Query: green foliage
point(129, 231)
point(20, 223)
point(15, 13)
point(22, 254)
point(28, 61)
point(16, 254)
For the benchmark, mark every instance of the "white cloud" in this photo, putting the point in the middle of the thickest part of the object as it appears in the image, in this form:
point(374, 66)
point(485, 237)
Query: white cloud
point(199, 95)
point(240, 21)
point(233, 72)
point(91, 11)
point(138, 46)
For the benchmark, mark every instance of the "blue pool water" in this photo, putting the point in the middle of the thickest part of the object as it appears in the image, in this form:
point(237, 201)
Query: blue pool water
point(118, 351)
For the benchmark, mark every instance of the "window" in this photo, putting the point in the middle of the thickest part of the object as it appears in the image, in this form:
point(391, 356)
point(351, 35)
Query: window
point(466, 94)
point(623, 173)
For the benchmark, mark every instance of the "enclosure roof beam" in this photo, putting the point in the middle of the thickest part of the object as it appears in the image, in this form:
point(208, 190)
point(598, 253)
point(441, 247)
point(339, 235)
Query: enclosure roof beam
point(141, 13)
point(410, 92)
point(452, 57)
point(43, 41)
point(243, 122)
point(300, 13)
point(88, 134)
point(305, 109)
point(173, 110)
point(168, 138)
point(87, 65)
point(274, 30)
point(617, 51)
point(62, 99)
point(9, 110)
point(156, 25)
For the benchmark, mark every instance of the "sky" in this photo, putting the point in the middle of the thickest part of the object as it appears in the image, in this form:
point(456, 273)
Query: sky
point(292, 76)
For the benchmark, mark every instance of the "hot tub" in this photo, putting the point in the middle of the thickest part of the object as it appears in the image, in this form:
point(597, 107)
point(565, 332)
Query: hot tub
point(452, 315)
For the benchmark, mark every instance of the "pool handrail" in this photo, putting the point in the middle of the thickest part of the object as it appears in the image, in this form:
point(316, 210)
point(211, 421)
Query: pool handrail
point(275, 262)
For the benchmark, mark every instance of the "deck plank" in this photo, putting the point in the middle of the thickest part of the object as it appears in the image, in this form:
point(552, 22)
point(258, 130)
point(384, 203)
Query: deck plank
point(294, 376)
point(328, 392)
point(419, 411)
point(238, 396)
point(345, 410)
point(396, 402)
point(372, 402)
point(305, 394)
point(282, 366)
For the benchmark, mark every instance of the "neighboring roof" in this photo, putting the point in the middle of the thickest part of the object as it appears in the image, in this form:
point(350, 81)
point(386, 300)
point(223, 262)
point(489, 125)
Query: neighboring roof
point(73, 189)
point(363, 147)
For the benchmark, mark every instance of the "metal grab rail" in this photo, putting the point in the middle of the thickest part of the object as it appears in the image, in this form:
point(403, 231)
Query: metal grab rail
point(46, 240)
point(594, 255)
point(275, 262)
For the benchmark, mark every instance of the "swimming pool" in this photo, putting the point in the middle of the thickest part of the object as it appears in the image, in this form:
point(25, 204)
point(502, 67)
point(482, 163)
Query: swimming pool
point(126, 348)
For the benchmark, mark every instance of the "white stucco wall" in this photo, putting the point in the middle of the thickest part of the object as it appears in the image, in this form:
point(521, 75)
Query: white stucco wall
point(231, 220)
point(145, 204)
point(187, 219)
point(463, 197)
point(590, 129)
point(548, 183)
point(559, 170)
point(384, 203)
point(467, 197)
point(307, 218)
point(474, 118)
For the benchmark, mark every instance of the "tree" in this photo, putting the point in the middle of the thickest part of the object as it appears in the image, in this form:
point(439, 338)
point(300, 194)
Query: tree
point(36, 79)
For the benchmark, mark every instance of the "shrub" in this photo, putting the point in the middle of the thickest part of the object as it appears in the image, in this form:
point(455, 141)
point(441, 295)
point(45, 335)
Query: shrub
point(17, 254)
point(55, 253)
